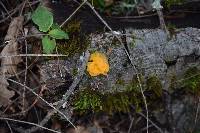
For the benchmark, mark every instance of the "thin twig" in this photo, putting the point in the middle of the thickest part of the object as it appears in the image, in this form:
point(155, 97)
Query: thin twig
point(131, 124)
point(11, 131)
point(5, 9)
point(73, 13)
point(28, 88)
point(128, 55)
point(67, 94)
point(34, 55)
point(11, 13)
point(77, 79)
point(36, 112)
point(30, 123)
point(58, 64)
point(133, 17)
point(158, 128)
point(42, 123)
point(162, 22)
point(197, 112)
point(23, 5)
point(26, 68)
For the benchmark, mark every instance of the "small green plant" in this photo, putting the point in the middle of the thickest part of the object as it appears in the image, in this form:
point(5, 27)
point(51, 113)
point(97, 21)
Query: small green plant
point(43, 18)
point(192, 80)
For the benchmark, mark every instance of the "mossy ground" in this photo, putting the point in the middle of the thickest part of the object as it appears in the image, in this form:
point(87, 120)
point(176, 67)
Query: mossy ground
point(92, 100)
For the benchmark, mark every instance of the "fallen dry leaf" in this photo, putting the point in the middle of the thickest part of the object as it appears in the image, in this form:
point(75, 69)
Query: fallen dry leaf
point(5, 94)
point(14, 28)
point(9, 64)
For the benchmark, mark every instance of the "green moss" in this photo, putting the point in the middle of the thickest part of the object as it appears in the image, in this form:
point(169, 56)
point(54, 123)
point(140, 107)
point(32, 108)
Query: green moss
point(133, 86)
point(192, 80)
point(133, 43)
point(88, 99)
point(115, 42)
point(77, 42)
point(75, 71)
point(110, 103)
point(173, 81)
point(154, 84)
point(92, 100)
point(169, 3)
point(73, 26)
point(119, 80)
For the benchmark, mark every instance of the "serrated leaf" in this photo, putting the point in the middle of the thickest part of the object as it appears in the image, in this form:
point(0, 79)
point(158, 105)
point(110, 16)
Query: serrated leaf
point(58, 34)
point(43, 18)
point(48, 45)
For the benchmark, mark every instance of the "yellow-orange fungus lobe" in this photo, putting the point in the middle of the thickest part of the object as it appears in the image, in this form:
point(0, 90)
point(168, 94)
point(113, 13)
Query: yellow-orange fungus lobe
point(98, 64)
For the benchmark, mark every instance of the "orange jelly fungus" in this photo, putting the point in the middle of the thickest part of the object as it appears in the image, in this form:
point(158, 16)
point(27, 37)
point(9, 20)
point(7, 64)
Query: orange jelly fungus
point(98, 64)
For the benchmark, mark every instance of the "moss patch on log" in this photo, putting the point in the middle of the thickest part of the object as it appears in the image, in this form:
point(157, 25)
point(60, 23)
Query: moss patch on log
point(77, 42)
point(89, 99)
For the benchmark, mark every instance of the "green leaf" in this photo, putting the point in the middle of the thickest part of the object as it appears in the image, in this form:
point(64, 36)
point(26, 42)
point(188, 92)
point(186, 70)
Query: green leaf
point(43, 18)
point(58, 34)
point(48, 45)
point(55, 26)
point(101, 3)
